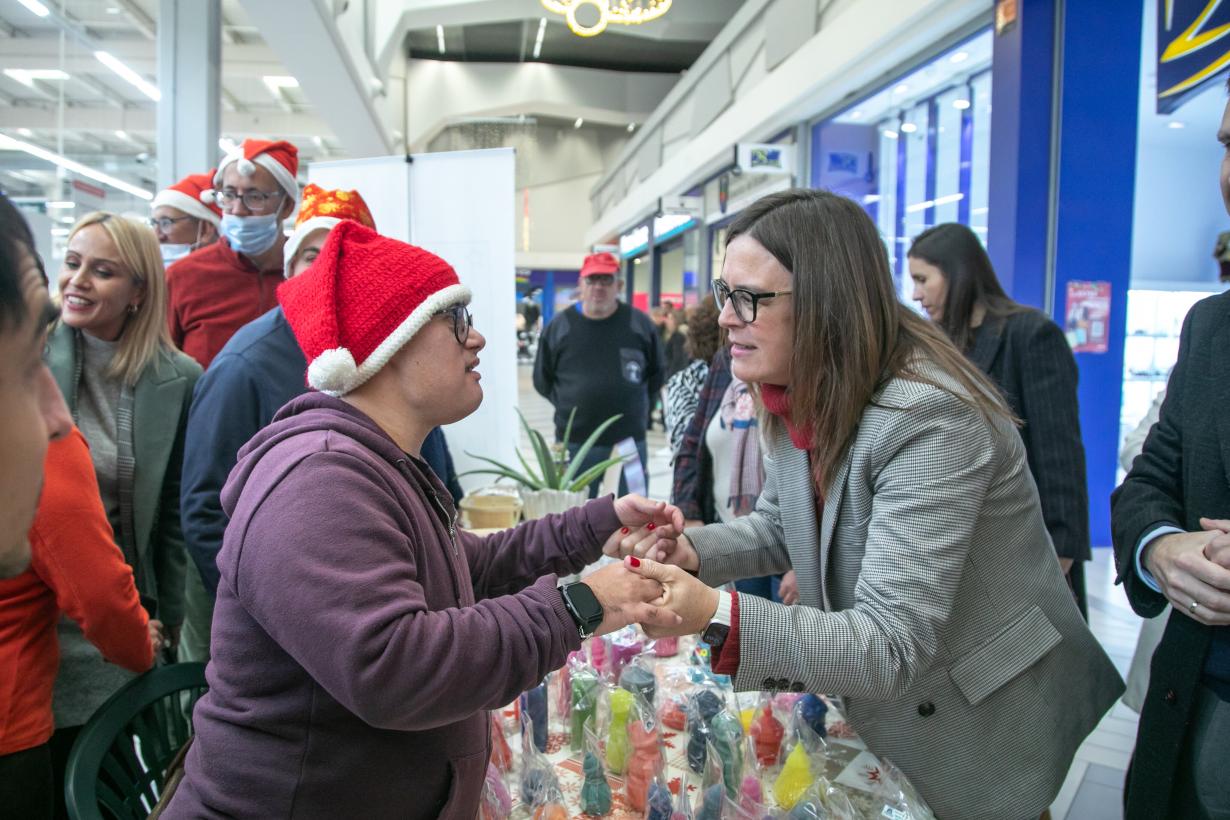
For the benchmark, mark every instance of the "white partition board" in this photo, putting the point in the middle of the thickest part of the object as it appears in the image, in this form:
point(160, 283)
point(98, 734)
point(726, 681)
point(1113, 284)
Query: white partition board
point(460, 206)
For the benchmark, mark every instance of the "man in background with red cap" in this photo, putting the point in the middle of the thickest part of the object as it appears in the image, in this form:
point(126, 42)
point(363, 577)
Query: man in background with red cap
point(185, 216)
point(220, 288)
point(602, 358)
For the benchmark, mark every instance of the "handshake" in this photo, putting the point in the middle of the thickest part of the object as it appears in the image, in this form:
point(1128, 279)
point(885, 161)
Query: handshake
point(653, 586)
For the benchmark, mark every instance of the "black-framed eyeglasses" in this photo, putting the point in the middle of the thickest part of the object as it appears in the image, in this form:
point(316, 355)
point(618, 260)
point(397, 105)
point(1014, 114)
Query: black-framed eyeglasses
point(254, 201)
point(166, 223)
point(462, 321)
point(742, 300)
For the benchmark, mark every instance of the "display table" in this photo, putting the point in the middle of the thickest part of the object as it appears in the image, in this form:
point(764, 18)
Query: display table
point(848, 763)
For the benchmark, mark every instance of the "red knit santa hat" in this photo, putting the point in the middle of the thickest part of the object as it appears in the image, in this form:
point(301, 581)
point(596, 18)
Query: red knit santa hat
point(278, 158)
point(361, 301)
point(194, 195)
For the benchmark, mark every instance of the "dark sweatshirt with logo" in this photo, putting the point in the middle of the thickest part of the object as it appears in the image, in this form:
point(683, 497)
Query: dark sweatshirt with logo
point(601, 367)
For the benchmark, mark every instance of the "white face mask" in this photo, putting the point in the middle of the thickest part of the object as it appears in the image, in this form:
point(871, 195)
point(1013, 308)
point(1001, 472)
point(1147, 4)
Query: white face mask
point(174, 252)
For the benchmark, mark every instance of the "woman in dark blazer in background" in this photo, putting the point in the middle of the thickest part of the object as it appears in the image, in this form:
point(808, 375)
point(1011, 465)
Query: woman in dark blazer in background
point(1027, 356)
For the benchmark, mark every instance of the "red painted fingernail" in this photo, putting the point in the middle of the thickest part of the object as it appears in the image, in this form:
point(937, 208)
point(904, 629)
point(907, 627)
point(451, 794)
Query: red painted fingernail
point(624, 530)
point(652, 527)
point(634, 561)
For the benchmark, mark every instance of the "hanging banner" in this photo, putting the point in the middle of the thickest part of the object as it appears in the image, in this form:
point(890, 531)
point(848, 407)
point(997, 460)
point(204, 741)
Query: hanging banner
point(1087, 317)
point(1193, 47)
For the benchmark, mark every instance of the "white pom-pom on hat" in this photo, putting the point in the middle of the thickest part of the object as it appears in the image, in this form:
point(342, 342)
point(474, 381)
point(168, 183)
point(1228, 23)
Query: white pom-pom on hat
point(245, 166)
point(333, 371)
point(207, 196)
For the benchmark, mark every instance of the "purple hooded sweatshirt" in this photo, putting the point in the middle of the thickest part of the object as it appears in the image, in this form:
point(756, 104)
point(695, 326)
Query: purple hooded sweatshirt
point(358, 638)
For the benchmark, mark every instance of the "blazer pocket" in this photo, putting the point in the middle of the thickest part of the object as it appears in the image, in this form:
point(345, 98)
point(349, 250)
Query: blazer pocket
point(1015, 649)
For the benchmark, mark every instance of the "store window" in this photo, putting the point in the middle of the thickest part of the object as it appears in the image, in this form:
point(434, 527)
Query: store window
point(915, 153)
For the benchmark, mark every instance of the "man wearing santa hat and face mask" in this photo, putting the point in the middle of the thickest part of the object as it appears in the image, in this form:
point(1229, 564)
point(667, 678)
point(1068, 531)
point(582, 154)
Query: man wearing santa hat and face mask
point(218, 290)
point(185, 216)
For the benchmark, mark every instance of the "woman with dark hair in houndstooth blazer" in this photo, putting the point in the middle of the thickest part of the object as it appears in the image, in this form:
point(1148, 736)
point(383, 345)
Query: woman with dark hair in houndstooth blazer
point(897, 487)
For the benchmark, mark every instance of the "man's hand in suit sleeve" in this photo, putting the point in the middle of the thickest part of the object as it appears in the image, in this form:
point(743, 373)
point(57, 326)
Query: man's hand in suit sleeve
point(1194, 566)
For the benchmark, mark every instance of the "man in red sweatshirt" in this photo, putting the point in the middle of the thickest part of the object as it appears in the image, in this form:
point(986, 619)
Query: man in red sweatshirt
point(219, 288)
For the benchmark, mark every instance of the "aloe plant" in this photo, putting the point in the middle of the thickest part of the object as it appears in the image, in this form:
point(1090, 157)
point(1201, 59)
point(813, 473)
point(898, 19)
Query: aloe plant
point(555, 471)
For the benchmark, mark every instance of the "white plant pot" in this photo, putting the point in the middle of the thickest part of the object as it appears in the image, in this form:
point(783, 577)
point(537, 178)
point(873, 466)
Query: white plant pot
point(541, 502)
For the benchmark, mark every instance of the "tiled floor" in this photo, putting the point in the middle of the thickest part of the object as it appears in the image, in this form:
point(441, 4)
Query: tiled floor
point(1094, 787)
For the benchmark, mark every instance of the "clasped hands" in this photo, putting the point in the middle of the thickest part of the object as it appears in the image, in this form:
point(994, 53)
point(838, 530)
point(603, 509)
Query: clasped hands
point(653, 586)
point(1194, 567)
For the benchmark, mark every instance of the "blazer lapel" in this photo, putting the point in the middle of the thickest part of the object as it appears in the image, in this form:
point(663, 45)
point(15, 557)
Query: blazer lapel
point(986, 346)
point(1221, 341)
point(835, 490)
point(159, 390)
point(798, 511)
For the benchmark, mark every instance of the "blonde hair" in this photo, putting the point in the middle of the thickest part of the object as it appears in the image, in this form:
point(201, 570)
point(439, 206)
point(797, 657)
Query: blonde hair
point(145, 332)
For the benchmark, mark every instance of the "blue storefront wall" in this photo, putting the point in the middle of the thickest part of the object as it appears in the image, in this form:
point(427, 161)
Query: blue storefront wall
point(1062, 189)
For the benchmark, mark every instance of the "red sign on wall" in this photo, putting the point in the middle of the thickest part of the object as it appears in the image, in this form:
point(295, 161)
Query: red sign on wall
point(1087, 317)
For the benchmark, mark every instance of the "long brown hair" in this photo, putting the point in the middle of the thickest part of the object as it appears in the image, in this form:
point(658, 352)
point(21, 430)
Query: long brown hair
point(851, 332)
point(956, 251)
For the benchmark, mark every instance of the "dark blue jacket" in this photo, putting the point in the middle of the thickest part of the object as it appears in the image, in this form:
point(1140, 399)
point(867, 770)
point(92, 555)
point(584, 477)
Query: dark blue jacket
point(260, 369)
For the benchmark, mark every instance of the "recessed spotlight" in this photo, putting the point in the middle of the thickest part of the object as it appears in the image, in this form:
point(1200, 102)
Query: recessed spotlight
point(901, 89)
point(580, 121)
point(908, 127)
point(889, 134)
point(959, 57)
point(631, 127)
point(1176, 124)
point(961, 104)
point(856, 115)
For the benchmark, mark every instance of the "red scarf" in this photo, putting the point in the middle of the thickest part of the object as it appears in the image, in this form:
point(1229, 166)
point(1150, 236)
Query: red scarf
point(777, 401)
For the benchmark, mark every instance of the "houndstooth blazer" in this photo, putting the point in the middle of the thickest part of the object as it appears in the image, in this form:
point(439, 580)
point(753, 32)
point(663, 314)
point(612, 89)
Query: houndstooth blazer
point(930, 600)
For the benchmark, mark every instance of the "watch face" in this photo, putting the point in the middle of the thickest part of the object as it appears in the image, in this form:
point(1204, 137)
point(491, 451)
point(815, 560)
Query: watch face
point(586, 605)
point(715, 634)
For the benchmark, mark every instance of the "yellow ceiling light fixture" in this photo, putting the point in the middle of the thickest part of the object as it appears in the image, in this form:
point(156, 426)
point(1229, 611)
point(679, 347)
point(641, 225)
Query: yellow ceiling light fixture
point(619, 12)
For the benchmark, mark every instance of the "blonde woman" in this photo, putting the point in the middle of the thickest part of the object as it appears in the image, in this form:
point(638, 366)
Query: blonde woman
point(128, 389)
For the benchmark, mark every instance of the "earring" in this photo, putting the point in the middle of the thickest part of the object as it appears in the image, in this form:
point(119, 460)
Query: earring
point(133, 308)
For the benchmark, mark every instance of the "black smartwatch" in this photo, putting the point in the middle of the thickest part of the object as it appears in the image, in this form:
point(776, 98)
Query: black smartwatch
point(583, 606)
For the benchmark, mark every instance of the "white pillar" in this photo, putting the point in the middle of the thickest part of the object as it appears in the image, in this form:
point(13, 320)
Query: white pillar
point(189, 77)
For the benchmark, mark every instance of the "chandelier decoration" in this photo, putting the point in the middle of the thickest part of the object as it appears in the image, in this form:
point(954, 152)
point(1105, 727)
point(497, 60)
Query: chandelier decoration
point(619, 12)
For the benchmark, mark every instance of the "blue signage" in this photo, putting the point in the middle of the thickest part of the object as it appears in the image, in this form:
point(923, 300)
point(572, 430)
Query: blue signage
point(1193, 47)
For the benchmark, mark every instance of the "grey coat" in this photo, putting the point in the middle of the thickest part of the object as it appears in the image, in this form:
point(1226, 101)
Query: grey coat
point(930, 599)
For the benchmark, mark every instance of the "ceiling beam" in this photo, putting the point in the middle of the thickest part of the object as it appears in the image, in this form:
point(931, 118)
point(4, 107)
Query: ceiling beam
point(141, 121)
point(139, 18)
point(316, 54)
point(109, 94)
point(42, 52)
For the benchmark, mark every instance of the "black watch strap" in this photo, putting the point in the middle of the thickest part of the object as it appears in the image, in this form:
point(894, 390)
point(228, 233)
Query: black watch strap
point(583, 606)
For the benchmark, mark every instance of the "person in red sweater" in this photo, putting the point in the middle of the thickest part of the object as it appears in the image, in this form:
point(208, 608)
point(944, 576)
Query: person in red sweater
point(75, 569)
point(214, 291)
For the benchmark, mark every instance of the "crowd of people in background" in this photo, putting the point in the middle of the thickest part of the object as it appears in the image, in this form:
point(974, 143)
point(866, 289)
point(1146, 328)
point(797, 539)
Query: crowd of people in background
point(223, 444)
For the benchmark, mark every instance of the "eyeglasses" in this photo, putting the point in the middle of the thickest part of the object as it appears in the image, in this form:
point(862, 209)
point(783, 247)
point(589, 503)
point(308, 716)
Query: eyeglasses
point(255, 201)
point(743, 301)
point(599, 279)
point(166, 223)
point(462, 321)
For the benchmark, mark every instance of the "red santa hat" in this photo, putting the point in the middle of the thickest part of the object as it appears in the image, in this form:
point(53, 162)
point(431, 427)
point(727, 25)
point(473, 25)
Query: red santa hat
point(361, 301)
point(194, 195)
point(322, 208)
point(278, 158)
